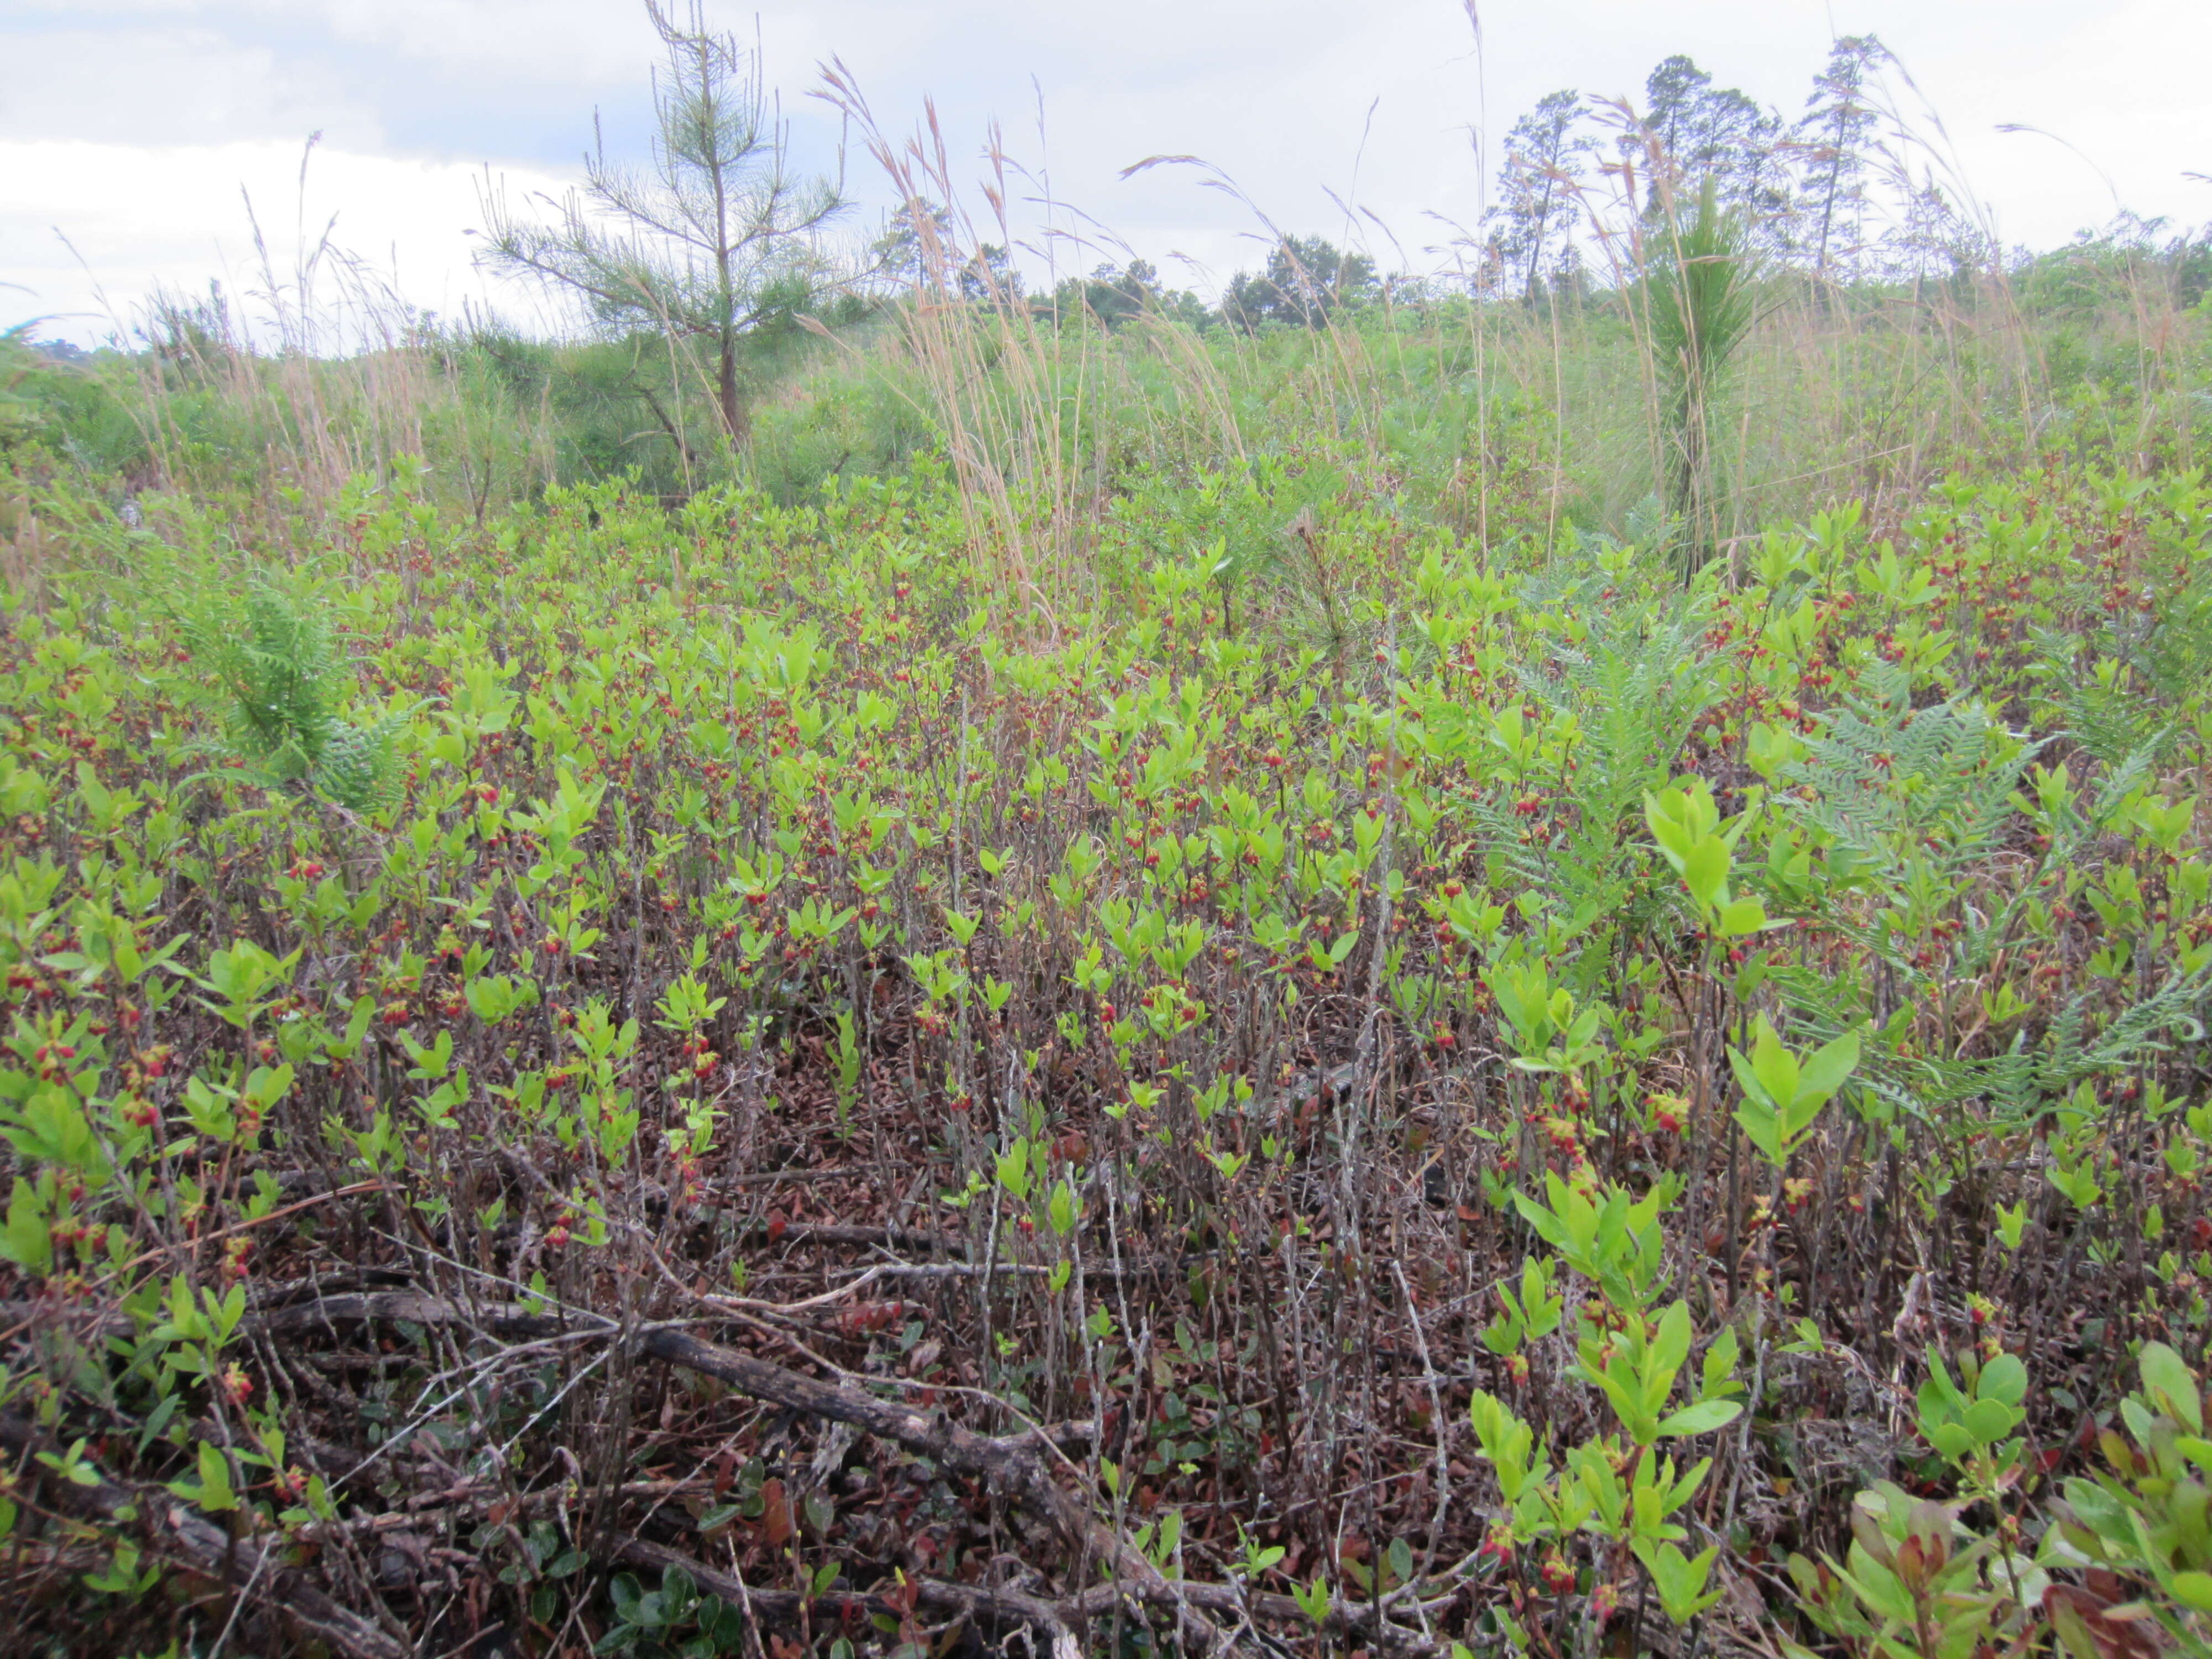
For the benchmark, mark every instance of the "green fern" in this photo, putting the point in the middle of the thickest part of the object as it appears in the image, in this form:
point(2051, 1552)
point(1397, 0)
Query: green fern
point(2175, 657)
point(1889, 778)
point(360, 767)
point(280, 682)
point(2106, 712)
point(2132, 689)
point(1636, 682)
point(2177, 1006)
point(2020, 1084)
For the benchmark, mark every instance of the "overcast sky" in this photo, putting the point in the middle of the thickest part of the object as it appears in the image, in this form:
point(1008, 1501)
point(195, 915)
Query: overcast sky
point(129, 128)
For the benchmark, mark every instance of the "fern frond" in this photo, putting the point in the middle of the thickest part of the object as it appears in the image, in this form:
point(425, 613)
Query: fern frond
point(280, 681)
point(1887, 777)
point(1635, 683)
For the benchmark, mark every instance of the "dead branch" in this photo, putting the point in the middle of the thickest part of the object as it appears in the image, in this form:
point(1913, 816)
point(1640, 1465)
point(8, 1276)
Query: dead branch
point(255, 1566)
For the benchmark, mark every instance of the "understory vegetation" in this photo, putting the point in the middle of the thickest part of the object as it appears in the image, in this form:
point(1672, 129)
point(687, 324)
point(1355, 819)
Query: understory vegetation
point(641, 1077)
point(1424, 971)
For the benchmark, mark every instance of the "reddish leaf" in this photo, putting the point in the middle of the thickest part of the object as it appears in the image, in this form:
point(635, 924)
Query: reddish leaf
point(775, 1514)
point(2086, 1614)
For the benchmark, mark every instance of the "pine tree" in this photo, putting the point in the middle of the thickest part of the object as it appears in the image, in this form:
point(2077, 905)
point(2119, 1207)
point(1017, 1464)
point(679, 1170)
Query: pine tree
point(1113, 294)
point(1308, 279)
point(1932, 240)
point(916, 237)
point(1837, 133)
point(1538, 202)
point(715, 242)
point(1699, 305)
point(1699, 131)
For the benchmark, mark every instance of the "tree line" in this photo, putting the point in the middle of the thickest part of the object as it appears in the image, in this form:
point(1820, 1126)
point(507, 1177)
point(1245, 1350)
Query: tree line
point(719, 246)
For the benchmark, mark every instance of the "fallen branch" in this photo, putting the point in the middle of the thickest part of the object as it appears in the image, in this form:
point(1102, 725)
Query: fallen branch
point(1009, 1465)
point(1063, 1619)
point(1001, 1607)
point(255, 1567)
point(807, 1232)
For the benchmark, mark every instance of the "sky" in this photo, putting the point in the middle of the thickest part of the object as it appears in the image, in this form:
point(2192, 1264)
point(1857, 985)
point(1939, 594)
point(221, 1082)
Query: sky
point(143, 141)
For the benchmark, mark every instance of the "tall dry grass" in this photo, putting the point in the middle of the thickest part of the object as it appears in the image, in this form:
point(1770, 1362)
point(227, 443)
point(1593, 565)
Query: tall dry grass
point(319, 371)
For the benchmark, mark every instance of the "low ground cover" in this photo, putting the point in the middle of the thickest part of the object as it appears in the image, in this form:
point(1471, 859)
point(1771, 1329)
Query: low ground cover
point(695, 1079)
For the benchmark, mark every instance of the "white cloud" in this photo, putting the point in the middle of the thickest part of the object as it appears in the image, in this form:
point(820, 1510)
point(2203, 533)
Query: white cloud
point(173, 102)
point(90, 229)
point(147, 86)
point(577, 42)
